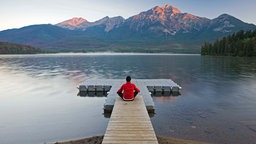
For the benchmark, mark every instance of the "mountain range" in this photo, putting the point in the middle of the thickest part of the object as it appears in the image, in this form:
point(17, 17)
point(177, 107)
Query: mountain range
point(160, 29)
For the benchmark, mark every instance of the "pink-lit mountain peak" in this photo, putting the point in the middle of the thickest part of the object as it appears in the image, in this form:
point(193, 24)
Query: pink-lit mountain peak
point(76, 21)
point(161, 13)
point(167, 9)
point(73, 22)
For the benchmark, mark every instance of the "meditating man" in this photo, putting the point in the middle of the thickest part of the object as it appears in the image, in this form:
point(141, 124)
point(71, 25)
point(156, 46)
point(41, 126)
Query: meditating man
point(128, 91)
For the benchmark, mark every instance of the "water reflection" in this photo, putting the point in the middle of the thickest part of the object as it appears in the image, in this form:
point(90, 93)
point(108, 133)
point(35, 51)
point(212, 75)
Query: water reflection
point(217, 104)
point(165, 99)
point(165, 93)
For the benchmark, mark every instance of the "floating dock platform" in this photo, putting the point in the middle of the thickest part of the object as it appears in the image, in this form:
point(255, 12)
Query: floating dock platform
point(147, 88)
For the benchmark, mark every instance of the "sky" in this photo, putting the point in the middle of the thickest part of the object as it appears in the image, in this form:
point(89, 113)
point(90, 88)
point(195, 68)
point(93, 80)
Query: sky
point(19, 13)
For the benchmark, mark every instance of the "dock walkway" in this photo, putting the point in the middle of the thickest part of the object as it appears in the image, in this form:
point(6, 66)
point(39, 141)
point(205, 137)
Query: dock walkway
point(129, 123)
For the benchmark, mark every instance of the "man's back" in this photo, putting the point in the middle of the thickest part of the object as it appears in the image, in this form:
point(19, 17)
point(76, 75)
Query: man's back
point(128, 89)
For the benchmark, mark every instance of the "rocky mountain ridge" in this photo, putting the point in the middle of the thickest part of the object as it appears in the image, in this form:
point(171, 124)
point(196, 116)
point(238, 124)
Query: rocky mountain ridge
point(159, 29)
point(163, 20)
point(73, 23)
point(82, 24)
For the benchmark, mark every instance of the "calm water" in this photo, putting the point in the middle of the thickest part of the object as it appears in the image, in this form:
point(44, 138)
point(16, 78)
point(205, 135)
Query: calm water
point(39, 102)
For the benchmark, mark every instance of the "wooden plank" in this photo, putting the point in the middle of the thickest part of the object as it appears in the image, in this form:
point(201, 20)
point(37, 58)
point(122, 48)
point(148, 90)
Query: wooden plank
point(131, 132)
point(133, 138)
point(130, 136)
point(127, 128)
point(130, 123)
point(128, 142)
point(130, 118)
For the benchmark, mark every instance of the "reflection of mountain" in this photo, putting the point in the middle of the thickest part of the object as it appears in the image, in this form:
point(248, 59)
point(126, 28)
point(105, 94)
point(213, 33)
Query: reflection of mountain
point(160, 29)
point(76, 77)
point(164, 99)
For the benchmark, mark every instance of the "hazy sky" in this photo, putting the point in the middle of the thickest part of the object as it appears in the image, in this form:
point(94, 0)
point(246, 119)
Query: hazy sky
point(19, 13)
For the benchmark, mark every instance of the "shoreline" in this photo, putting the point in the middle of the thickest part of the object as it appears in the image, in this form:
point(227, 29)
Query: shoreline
point(98, 140)
point(102, 53)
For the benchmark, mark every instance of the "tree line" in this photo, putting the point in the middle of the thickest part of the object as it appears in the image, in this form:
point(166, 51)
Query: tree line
point(241, 43)
point(10, 48)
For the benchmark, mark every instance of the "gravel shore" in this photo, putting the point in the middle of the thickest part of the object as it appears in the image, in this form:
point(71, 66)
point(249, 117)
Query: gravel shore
point(98, 140)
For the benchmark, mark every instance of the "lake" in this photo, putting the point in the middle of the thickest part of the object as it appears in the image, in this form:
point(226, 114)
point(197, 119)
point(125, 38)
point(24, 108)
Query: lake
point(39, 102)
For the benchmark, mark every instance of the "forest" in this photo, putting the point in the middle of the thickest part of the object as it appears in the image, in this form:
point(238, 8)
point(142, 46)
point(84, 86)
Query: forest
point(11, 48)
point(241, 43)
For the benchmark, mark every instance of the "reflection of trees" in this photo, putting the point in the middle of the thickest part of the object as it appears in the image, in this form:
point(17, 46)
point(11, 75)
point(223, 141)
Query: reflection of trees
point(225, 67)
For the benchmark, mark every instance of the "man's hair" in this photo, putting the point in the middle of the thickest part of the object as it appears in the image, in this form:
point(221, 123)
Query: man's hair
point(128, 78)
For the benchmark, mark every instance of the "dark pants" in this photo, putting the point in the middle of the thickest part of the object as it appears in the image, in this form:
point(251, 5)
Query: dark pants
point(121, 94)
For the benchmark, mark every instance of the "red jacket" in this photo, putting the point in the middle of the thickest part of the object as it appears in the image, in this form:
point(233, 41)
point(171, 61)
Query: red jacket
point(128, 90)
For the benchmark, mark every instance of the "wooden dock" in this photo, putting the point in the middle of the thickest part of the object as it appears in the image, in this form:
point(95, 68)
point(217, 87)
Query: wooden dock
point(146, 86)
point(129, 123)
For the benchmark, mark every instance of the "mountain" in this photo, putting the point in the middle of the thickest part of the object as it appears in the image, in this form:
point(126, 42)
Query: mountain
point(165, 20)
point(82, 24)
point(160, 29)
point(169, 22)
point(72, 24)
point(226, 24)
point(37, 35)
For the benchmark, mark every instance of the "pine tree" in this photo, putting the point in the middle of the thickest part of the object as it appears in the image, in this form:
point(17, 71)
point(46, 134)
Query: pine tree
point(238, 44)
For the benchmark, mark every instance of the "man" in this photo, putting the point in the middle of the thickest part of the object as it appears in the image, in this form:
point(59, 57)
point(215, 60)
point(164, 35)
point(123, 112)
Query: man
point(128, 91)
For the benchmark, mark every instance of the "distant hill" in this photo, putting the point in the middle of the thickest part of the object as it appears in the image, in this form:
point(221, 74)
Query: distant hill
point(160, 29)
point(242, 43)
point(10, 48)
